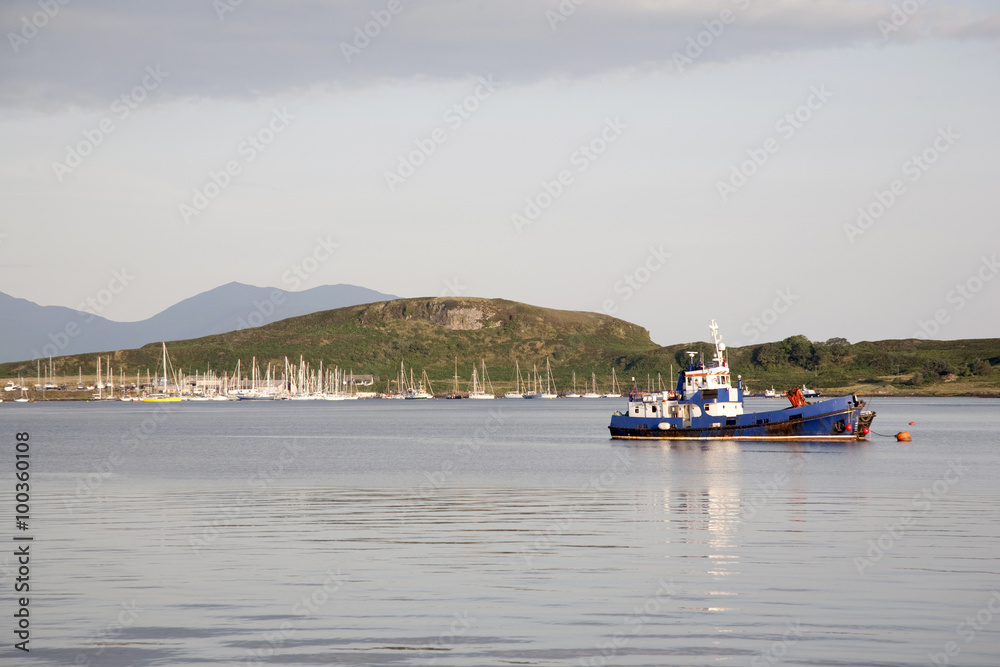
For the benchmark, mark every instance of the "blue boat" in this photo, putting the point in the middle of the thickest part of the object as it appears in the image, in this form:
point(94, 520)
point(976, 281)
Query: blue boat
point(705, 406)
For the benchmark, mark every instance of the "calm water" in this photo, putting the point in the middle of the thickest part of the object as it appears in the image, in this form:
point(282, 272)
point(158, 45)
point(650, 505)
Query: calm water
point(499, 533)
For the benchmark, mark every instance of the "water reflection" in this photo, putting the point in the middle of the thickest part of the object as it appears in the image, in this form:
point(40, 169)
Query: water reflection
point(535, 550)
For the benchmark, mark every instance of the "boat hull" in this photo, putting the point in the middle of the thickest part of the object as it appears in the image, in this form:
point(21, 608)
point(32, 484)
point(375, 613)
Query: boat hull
point(841, 419)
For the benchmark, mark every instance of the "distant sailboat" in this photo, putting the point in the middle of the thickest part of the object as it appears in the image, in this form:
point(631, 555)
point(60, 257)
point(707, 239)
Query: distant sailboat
point(23, 398)
point(550, 385)
point(533, 392)
point(616, 391)
point(20, 386)
point(398, 394)
point(164, 396)
point(455, 393)
point(415, 391)
point(479, 386)
point(593, 392)
point(517, 383)
point(573, 393)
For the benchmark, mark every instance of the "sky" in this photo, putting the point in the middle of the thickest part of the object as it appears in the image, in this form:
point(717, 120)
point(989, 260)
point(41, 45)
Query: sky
point(815, 167)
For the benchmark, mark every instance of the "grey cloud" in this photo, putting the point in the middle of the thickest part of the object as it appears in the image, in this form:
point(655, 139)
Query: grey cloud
point(88, 53)
point(961, 25)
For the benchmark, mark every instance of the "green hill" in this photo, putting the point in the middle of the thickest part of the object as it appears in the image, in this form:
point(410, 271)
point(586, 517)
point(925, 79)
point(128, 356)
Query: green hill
point(909, 366)
point(423, 333)
point(430, 333)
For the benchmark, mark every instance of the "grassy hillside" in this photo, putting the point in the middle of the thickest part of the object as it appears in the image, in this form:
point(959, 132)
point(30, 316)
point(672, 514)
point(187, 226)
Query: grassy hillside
point(423, 333)
point(428, 334)
point(891, 366)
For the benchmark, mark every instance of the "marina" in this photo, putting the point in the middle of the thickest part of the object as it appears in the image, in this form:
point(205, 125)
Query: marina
point(288, 380)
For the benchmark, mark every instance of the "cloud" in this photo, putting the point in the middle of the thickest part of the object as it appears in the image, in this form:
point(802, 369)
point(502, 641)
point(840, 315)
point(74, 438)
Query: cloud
point(962, 24)
point(88, 53)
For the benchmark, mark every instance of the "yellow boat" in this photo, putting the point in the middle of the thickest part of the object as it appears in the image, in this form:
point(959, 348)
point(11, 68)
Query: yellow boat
point(160, 398)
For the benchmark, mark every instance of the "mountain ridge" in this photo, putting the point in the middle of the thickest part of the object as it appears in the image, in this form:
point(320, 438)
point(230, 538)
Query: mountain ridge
point(33, 331)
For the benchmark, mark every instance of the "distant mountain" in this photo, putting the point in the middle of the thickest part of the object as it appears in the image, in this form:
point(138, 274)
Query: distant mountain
point(31, 331)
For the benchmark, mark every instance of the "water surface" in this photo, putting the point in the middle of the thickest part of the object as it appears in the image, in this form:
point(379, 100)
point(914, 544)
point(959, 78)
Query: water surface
point(503, 532)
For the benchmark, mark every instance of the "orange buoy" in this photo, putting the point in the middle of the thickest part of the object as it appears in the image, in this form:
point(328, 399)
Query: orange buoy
point(913, 423)
point(903, 436)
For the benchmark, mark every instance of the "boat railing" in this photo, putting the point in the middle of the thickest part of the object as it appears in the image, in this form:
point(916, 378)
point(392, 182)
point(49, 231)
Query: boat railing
point(652, 396)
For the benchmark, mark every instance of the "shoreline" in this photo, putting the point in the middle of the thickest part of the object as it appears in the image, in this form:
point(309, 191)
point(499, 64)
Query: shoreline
point(79, 397)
